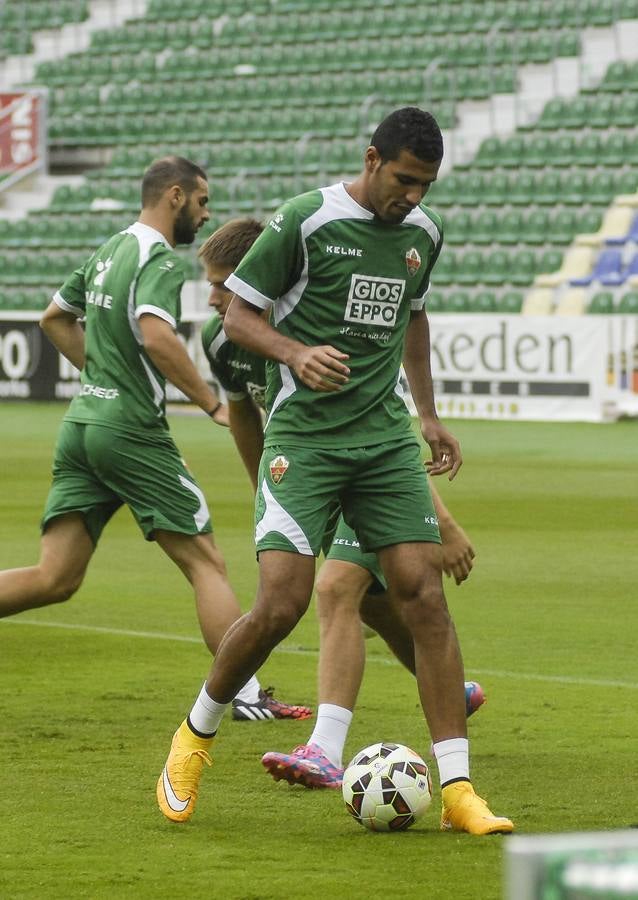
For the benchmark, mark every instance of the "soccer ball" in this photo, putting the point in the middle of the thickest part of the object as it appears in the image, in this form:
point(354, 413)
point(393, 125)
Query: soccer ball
point(387, 787)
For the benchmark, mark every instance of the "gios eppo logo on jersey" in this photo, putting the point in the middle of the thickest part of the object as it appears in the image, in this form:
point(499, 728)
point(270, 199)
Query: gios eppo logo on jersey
point(373, 300)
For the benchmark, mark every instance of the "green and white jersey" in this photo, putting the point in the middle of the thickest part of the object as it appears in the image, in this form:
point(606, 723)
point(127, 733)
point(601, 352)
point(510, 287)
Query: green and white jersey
point(239, 371)
point(335, 274)
point(134, 272)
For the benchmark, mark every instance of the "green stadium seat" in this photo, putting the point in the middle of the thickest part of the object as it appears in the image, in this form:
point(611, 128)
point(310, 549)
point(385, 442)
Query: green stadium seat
point(522, 267)
point(601, 188)
point(548, 188)
point(469, 268)
point(521, 189)
point(562, 227)
point(601, 303)
point(549, 261)
point(510, 302)
point(445, 268)
point(459, 228)
point(537, 151)
point(512, 151)
point(574, 188)
point(552, 116)
point(536, 227)
point(496, 267)
point(484, 226)
point(562, 150)
point(434, 302)
point(483, 301)
point(629, 303)
point(510, 228)
point(457, 302)
point(626, 110)
point(616, 77)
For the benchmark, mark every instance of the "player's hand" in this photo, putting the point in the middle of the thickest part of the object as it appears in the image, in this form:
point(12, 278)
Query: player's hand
point(458, 553)
point(321, 368)
point(446, 450)
point(220, 416)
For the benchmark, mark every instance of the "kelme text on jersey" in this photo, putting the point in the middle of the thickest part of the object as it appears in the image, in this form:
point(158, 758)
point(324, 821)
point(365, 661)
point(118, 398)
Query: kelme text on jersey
point(374, 300)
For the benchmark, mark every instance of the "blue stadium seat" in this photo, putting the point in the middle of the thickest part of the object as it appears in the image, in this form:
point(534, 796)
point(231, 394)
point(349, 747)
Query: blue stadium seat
point(607, 270)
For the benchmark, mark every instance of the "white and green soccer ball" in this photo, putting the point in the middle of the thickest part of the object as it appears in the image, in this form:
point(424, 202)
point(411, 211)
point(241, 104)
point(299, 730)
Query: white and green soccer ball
point(387, 787)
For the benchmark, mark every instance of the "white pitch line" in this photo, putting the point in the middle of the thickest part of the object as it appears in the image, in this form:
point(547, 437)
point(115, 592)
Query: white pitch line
point(306, 651)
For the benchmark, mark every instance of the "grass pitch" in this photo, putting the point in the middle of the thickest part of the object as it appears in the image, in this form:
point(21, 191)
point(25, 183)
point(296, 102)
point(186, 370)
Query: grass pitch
point(93, 689)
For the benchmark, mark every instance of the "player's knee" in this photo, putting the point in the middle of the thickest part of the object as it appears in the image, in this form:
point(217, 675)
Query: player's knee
point(60, 586)
point(424, 600)
point(332, 595)
point(275, 622)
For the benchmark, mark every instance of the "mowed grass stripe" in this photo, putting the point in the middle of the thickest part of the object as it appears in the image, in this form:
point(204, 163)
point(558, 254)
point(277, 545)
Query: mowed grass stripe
point(309, 651)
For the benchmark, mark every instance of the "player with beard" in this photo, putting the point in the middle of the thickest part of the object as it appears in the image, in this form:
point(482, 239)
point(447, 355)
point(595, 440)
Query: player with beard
point(344, 270)
point(114, 446)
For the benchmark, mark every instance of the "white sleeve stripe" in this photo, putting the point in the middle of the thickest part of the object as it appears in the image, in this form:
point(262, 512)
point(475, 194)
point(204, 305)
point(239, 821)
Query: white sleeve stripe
point(63, 304)
point(155, 311)
point(247, 293)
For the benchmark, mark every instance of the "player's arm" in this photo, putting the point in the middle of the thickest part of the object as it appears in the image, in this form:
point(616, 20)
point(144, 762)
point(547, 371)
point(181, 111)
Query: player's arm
point(458, 553)
point(65, 333)
point(171, 357)
point(248, 433)
point(446, 452)
point(320, 368)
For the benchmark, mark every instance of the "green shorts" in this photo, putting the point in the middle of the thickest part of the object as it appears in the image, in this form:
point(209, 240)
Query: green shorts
point(97, 469)
point(383, 493)
point(345, 547)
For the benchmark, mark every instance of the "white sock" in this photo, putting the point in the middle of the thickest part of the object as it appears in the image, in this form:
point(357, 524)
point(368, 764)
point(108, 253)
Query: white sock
point(331, 731)
point(250, 691)
point(453, 759)
point(206, 714)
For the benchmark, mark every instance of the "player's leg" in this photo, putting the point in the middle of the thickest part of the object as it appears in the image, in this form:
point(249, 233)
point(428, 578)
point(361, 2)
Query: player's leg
point(65, 551)
point(285, 588)
point(339, 588)
point(217, 608)
point(391, 508)
point(290, 521)
point(77, 508)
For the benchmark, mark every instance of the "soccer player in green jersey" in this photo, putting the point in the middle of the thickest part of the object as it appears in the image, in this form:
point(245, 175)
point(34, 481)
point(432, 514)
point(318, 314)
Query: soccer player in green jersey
point(345, 270)
point(114, 446)
point(350, 582)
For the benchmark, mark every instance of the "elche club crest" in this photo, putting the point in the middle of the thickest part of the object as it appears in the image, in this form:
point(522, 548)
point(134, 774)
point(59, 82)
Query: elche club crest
point(413, 261)
point(278, 467)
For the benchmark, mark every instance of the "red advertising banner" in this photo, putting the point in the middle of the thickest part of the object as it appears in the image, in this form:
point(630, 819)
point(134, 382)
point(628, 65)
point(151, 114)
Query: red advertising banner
point(22, 135)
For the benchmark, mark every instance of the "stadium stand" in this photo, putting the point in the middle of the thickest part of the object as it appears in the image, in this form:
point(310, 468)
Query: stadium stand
point(276, 97)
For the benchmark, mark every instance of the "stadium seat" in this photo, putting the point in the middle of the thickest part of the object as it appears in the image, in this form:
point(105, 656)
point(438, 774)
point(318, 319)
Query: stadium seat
point(457, 302)
point(613, 230)
point(629, 303)
point(496, 268)
point(577, 262)
point(522, 268)
point(509, 302)
point(538, 302)
point(571, 302)
point(469, 268)
point(434, 302)
point(601, 303)
point(510, 228)
point(536, 227)
point(607, 270)
point(484, 301)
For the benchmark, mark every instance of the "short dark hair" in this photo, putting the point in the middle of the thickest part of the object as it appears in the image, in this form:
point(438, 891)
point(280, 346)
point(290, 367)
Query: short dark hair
point(409, 128)
point(164, 173)
point(229, 244)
